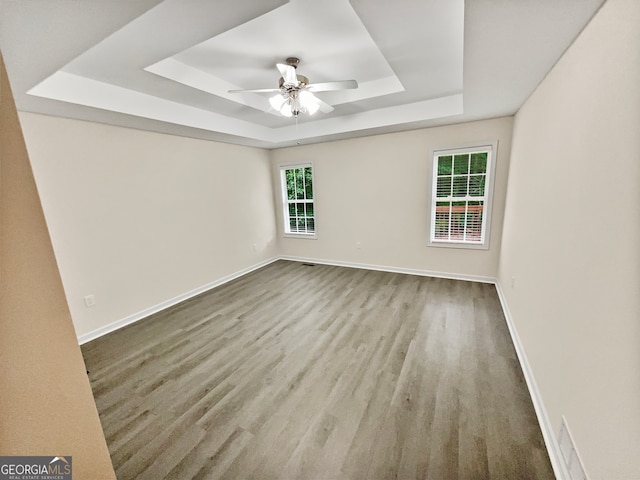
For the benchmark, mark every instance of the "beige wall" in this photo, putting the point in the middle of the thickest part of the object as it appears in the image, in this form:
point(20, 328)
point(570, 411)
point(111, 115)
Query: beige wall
point(572, 240)
point(138, 218)
point(46, 404)
point(376, 191)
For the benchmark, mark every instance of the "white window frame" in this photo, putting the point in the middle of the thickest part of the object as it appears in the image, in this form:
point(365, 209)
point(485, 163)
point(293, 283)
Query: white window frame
point(492, 149)
point(285, 201)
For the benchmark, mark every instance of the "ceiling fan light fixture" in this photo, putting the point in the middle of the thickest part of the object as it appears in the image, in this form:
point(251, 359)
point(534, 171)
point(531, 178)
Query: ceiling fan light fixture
point(309, 102)
point(277, 101)
point(286, 110)
point(295, 94)
point(293, 102)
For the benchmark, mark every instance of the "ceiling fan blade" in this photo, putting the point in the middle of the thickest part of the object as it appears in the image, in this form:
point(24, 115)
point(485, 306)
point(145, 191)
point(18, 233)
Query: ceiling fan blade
point(257, 90)
point(288, 74)
point(331, 86)
point(324, 106)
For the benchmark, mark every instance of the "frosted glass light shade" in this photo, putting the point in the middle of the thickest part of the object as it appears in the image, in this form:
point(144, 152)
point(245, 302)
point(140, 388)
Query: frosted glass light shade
point(292, 103)
point(277, 101)
point(286, 109)
point(309, 102)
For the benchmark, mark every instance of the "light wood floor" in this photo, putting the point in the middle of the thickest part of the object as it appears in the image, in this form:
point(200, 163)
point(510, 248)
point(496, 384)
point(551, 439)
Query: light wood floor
point(319, 372)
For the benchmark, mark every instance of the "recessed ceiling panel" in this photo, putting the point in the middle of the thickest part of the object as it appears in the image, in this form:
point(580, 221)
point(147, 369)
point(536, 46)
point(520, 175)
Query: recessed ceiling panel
point(328, 36)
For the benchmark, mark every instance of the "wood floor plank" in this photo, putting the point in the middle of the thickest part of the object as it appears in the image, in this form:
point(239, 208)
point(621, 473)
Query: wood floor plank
point(319, 372)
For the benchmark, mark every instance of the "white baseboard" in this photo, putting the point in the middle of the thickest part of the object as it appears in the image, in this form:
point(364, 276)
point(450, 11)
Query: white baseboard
point(384, 268)
point(87, 337)
point(548, 433)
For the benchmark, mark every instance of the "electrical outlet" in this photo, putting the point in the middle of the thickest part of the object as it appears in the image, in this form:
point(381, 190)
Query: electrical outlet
point(89, 300)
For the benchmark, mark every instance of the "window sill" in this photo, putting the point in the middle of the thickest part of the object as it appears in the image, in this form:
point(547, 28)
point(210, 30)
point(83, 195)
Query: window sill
point(308, 236)
point(468, 246)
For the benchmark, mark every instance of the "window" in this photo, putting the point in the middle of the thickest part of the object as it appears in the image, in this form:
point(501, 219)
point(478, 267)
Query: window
point(460, 207)
point(297, 199)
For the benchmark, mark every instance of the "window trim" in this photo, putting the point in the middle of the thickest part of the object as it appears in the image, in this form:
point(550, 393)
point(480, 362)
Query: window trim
point(283, 195)
point(492, 148)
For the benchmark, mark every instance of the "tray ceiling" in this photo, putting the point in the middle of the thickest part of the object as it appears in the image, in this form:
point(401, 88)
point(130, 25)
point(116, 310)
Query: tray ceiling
point(167, 66)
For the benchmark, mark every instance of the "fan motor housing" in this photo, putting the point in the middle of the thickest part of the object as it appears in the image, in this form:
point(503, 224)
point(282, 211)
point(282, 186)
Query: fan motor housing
point(304, 81)
point(293, 62)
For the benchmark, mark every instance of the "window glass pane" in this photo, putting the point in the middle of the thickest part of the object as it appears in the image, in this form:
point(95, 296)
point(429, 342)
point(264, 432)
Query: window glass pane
point(441, 231)
point(309, 209)
point(302, 226)
point(474, 221)
point(460, 186)
point(291, 184)
point(478, 163)
point(300, 209)
point(308, 183)
point(461, 164)
point(444, 165)
point(311, 225)
point(458, 213)
point(299, 183)
point(293, 224)
point(444, 187)
point(476, 185)
point(292, 209)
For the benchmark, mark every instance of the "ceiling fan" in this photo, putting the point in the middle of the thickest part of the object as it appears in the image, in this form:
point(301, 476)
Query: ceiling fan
point(295, 94)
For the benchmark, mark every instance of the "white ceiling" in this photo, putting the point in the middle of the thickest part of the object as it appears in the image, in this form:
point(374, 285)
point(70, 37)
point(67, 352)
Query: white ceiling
point(167, 65)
